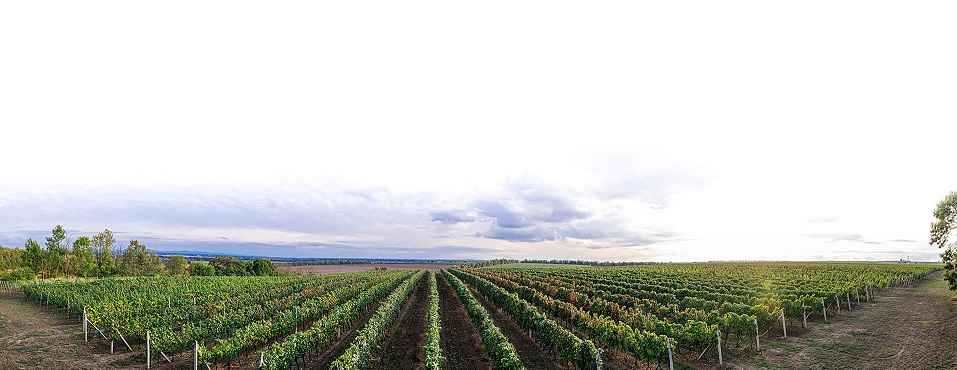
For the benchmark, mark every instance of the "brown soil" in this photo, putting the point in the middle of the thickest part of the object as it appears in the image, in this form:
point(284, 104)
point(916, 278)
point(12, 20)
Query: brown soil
point(532, 354)
point(403, 348)
point(335, 269)
point(460, 340)
point(912, 327)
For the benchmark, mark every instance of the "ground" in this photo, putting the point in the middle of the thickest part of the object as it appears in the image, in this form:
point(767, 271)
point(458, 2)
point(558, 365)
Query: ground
point(335, 269)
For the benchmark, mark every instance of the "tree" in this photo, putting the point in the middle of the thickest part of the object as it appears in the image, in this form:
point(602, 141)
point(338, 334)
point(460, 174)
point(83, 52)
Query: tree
point(946, 215)
point(138, 261)
point(261, 267)
point(84, 261)
point(103, 247)
point(34, 257)
point(201, 269)
point(229, 266)
point(55, 262)
point(176, 265)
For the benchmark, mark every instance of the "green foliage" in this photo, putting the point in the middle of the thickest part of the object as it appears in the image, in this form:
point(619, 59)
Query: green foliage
point(357, 355)
point(201, 268)
point(497, 347)
point(261, 267)
point(10, 258)
point(138, 261)
point(19, 274)
point(940, 230)
point(176, 265)
point(84, 261)
point(229, 266)
point(434, 360)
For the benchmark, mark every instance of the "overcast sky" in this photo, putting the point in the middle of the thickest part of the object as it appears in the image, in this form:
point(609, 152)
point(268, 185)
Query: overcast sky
point(599, 130)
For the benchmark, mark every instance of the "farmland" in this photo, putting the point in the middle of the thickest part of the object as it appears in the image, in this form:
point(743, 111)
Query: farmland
point(497, 317)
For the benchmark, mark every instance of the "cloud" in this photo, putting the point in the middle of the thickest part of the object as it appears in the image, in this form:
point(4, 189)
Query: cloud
point(452, 217)
point(902, 241)
point(821, 220)
point(835, 237)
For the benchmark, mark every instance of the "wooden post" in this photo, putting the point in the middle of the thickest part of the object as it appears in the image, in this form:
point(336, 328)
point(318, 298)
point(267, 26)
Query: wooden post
point(867, 294)
point(757, 334)
point(598, 359)
point(262, 361)
point(147, 349)
point(824, 309)
point(111, 346)
point(121, 337)
point(803, 318)
point(671, 362)
point(838, 304)
point(783, 324)
point(848, 301)
point(86, 331)
point(195, 355)
point(857, 294)
point(720, 358)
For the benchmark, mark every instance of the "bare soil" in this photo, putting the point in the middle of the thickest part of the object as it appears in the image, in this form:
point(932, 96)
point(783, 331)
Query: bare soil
point(403, 348)
point(461, 341)
point(335, 269)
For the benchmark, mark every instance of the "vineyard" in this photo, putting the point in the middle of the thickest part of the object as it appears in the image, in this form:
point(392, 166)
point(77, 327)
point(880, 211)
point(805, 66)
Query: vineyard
point(510, 317)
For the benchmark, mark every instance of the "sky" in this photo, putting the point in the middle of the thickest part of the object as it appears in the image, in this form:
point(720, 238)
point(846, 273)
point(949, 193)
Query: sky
point(598, 130)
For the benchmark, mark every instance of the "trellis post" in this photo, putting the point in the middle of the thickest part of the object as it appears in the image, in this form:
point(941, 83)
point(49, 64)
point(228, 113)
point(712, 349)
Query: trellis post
point(720, 358)
point(848, 301)
point(824, 309)
point(671, 363)
point(757, 334)
point(147, 349)
point(196, 355)
point(784, 324)
point(838, 301)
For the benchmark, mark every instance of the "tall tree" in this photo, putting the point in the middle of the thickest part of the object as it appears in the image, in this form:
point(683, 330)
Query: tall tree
point(940, 230)
point(31, 254)
point(84, 261)
point(56, 245)
point(138, 261)
point(104, 245)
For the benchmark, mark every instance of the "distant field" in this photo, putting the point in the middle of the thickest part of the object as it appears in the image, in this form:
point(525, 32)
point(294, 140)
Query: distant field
point(335, 269)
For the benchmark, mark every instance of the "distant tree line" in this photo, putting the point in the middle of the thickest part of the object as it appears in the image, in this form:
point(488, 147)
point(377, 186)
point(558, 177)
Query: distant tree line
point(99, 256)
point(499, 261)
point(587, 263)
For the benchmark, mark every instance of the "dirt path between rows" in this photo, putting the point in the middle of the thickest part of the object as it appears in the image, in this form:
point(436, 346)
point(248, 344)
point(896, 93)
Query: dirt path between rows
point(461, 341)
point(403, 347)
point(913, 327)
